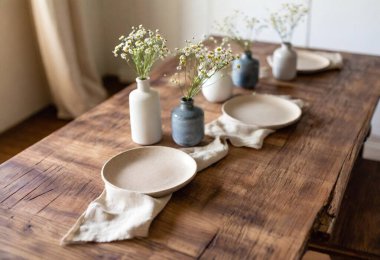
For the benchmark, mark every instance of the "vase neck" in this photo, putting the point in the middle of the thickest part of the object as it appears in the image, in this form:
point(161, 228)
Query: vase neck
point(247, 54)
point(187, 103)
point(286, 45)
point(143, 84)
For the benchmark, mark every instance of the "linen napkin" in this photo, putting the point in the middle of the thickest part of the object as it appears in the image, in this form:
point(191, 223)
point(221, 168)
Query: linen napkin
point(335, 58)
point(240, 134)
point(115, 215)
point(118, 214)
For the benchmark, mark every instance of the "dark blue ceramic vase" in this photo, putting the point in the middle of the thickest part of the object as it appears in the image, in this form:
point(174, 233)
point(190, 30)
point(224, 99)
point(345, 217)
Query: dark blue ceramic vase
point(187, 123)
point(245, 71)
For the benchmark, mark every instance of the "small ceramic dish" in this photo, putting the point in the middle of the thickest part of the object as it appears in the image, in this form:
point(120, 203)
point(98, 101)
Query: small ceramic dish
point(264, 111)
point(153, 170)
point(308, 62)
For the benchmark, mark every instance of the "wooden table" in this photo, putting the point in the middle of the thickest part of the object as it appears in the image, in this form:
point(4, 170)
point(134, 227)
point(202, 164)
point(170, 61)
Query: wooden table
point(254, 203)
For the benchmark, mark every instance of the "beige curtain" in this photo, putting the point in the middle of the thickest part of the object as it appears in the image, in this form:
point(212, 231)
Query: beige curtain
point(73, 80)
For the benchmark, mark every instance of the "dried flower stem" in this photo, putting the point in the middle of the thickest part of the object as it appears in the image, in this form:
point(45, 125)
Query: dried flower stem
point(229, 26)
point(286, 19)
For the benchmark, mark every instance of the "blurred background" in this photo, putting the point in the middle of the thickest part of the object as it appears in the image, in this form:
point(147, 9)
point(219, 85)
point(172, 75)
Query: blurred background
point(345, 25)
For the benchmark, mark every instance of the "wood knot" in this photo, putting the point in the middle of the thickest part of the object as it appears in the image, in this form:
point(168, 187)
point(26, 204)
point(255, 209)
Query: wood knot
point(27, 228)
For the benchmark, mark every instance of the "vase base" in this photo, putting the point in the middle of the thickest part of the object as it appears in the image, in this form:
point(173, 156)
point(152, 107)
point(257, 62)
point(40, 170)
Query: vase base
point(139, 142)
point(187, 144)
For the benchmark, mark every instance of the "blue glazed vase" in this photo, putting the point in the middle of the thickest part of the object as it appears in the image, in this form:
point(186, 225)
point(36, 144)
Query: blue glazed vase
point(187, 123)
point(245, 71)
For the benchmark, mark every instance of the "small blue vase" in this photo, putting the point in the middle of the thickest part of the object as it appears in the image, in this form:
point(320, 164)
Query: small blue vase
point(245, 71)
point(187, 123)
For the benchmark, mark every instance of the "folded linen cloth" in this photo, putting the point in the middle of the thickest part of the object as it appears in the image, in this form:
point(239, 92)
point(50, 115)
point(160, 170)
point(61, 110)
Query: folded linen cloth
point(118, 214)
point(208, 154)
point(115, 215)
point(238, 134)
point(335, 58)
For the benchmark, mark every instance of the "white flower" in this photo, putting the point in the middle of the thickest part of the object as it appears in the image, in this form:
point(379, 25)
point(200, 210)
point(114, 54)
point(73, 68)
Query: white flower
point(200, 63)
point(142, 48)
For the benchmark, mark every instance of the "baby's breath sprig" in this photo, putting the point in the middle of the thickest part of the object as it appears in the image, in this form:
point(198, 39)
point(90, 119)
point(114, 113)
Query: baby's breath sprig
point(230, 27)
point(197, 63)
point(141, 49)
point(285, 20)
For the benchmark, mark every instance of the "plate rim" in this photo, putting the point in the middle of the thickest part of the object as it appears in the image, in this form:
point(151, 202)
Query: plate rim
point(270, 61)
point(154, 193)
point(318, 56)
point(276, 126)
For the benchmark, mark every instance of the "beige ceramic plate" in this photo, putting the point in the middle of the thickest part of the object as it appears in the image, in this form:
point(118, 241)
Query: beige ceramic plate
point(264, 111)
point(308, 62)
point(311, 62)
point(152, 170)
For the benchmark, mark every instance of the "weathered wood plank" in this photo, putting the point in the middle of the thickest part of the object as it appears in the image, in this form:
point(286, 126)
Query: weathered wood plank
point(28, 236)
point(254, 203)
point(357, 228)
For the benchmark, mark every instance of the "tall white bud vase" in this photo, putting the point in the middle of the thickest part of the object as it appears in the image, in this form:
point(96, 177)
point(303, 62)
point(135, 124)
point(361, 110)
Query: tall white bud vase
point(145, 114)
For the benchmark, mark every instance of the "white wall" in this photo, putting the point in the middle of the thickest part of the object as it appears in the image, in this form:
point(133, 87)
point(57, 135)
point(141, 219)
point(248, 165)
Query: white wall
point(106, 20)
point(259, 9)
point(348, 25)
point(195, 20)
point(342, 25)
point(23, 86)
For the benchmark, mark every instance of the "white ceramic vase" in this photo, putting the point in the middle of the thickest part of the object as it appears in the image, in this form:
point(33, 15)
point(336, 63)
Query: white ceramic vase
point(219, 87)
point(145, 114)
point(284, 64)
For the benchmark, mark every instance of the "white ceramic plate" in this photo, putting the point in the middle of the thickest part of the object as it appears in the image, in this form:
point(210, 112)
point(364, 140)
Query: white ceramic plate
point(308, 62)
point(311, 62)
point(152, 170)
point(266, 111)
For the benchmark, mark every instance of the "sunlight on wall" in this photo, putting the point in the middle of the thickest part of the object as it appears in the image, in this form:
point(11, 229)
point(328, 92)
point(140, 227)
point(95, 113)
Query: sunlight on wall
point(23, 86)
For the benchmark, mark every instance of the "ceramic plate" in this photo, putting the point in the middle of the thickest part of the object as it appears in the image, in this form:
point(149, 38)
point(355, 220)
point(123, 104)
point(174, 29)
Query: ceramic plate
point(264, 111)
point(310, 62)
point(152, 170)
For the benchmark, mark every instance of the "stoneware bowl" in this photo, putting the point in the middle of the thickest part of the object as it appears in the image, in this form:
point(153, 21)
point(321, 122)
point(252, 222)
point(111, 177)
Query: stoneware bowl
point(309, 62)
point(264, 111)
point(152, 170)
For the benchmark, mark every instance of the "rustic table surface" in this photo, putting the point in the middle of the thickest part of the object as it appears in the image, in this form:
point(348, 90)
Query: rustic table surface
point(253, 203)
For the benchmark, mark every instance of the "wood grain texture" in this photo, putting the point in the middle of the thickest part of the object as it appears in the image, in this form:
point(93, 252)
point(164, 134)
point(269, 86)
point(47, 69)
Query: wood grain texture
point(357, 229)
point(252, 204)
point(41, 124)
